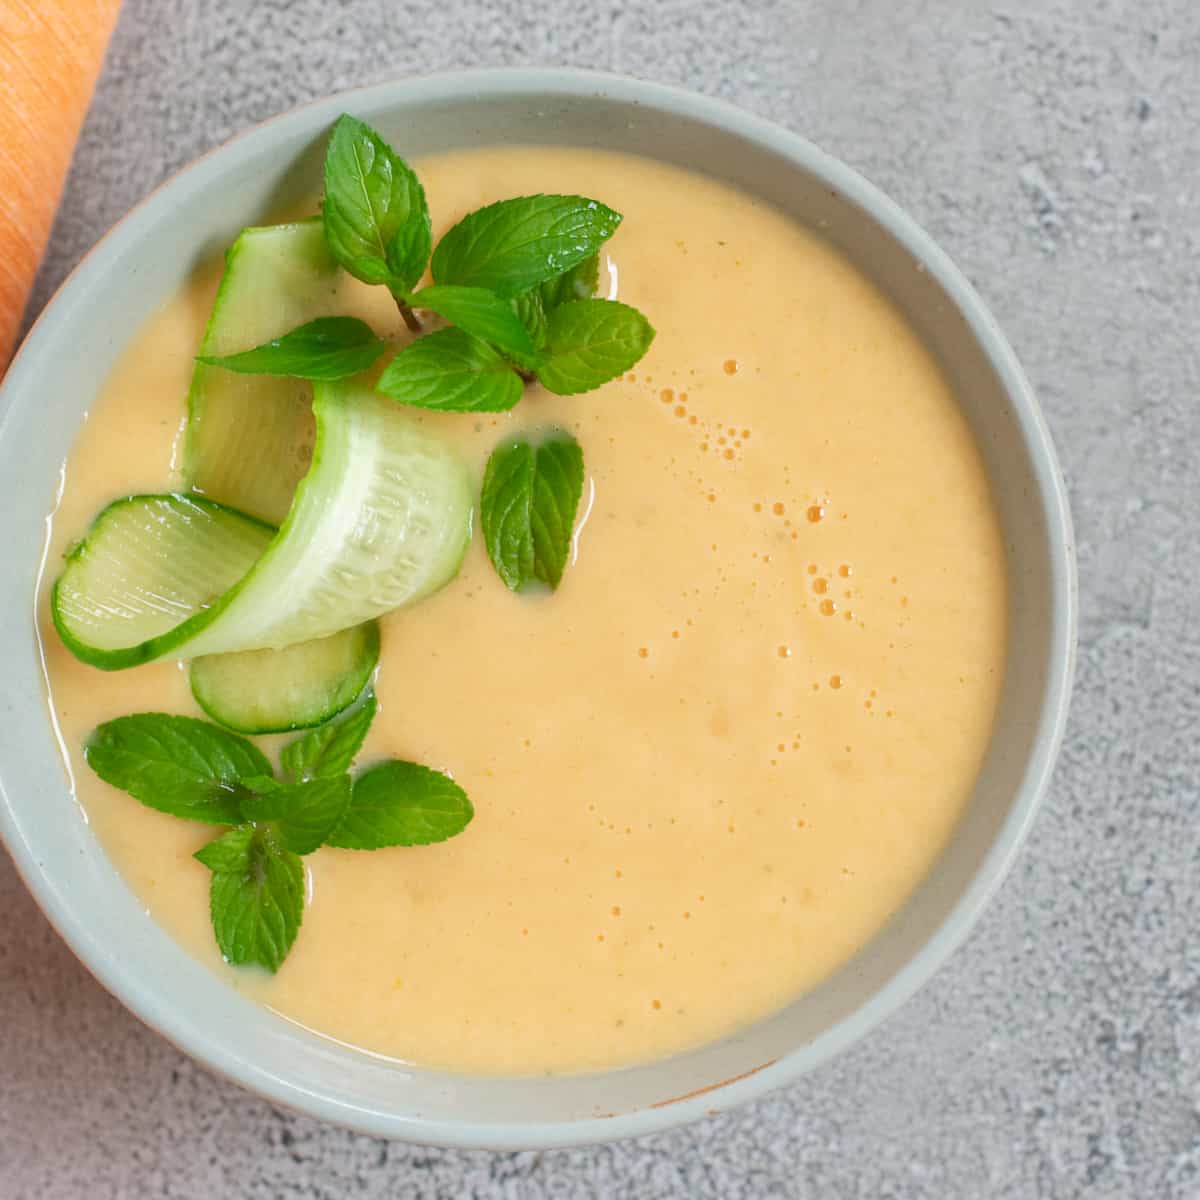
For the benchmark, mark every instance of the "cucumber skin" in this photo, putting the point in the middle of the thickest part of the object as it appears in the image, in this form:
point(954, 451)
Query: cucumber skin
point(147, 651)
point(357, 680)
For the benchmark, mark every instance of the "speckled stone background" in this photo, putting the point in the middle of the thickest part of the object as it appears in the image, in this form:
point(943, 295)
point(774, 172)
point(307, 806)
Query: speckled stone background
point(1053, 147)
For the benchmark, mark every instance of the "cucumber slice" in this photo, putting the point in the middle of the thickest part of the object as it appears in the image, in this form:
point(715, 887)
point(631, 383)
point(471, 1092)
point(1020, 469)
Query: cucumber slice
point(152, 572)
point(273, 691)
point(250, 437)
point(382, 519)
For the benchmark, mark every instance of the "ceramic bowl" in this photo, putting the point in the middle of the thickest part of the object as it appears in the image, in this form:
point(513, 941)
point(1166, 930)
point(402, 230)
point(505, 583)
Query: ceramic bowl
point(146, 257)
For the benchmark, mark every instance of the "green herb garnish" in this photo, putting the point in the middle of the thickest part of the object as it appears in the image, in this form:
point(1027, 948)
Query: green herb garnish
point(375, 215)
point(527, 508)
point(514, 245)
point(452, 371)
point(589, 342)
point(256, 898)
point(534, 258)
point(330, 749)
point(177, 765)
point(402, 804)
point(500, 277)
point(327, 348)
point(193, 769)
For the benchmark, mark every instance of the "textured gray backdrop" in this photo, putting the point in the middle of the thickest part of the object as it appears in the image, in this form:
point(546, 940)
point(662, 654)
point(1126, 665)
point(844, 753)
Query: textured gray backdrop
point(1053, 147)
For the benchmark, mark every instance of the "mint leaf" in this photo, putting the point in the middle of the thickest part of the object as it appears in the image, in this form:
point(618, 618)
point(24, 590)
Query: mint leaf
point(531, 312)
point(505, 504)
point(481, 313)
point(408, 251)
point(256, 897)
point(527, 508)
point(402, 804)
point(579, 283)
point(374, 211)
point(557, 486)
point(260, 785)
point(327, 348)
point(329, 749)
point(514, 245)
point(589, 342)
point(229, 852)
point(177, 765)
point(452, 371)
point(532, 306)
point(302, 815)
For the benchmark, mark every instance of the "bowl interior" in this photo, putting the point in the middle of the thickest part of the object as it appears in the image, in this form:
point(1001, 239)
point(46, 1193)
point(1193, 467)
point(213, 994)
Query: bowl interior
point(73, 347)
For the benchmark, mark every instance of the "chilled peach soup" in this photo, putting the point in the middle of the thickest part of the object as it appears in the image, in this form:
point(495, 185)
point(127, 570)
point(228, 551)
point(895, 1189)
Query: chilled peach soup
point(711, 765)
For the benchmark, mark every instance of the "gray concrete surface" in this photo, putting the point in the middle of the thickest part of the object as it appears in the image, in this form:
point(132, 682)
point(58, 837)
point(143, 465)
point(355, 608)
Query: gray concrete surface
point(1053, 147)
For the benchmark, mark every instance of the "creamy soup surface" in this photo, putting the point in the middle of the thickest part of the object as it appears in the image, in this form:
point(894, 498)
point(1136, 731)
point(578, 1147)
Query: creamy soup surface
point(711, 766)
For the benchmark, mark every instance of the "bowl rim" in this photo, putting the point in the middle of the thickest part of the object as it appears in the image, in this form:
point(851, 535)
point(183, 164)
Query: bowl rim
point(577, 84)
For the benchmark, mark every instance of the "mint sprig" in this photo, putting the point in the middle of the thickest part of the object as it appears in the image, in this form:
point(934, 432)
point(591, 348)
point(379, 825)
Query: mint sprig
point(528, 505)
point(327, 348)
point(194, 769)
point(506, 278)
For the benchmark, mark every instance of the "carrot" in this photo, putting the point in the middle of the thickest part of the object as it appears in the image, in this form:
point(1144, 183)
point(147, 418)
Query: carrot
point(50, 55)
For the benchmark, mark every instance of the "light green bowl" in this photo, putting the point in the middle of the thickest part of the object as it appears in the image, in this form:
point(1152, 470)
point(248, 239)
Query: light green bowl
point(140, 263)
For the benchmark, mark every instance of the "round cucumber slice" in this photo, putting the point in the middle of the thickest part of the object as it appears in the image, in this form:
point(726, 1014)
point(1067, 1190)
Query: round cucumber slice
point(150, 574)
point(273, 691)
point(382, 519)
